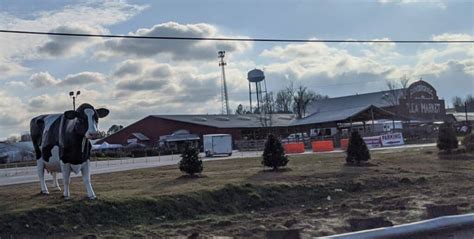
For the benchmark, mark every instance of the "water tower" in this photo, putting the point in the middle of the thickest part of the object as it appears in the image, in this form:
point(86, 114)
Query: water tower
point(257, 77)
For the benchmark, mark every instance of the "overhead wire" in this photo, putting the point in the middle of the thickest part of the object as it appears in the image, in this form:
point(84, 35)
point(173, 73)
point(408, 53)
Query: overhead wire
point(231, 38)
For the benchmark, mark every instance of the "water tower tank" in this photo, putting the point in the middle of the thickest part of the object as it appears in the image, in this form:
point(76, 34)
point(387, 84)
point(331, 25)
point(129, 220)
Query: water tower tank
point(255, 75)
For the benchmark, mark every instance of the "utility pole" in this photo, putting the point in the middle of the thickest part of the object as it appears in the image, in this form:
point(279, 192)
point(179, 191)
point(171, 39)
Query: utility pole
point(74, 96)
point(465, 110)
point(224, 95)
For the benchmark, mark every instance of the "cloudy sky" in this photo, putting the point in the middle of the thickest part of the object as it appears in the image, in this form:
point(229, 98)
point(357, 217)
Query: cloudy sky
point(135, 78)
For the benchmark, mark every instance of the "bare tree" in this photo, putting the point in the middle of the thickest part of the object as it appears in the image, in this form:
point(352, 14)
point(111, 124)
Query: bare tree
point(302, 99)
point(396, 90)
point(458, 103)
point(268, 110)
point(470, 103)
point(461, 105)
point(284, 99)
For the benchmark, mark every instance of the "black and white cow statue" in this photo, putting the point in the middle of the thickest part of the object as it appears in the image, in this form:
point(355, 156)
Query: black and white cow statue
point(61, 143)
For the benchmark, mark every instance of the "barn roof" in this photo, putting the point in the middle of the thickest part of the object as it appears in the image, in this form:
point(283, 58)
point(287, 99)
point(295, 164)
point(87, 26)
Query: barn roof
point(232, 121)
point(379, 99)
point(323, 111)
point(362, 113)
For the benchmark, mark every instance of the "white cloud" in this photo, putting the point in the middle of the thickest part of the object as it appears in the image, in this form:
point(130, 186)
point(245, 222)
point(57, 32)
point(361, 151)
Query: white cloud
point(336, 71)
point(437, 60)
point(44, 79)
point(60, 102)
point(11, 68)
point(175, 49)
point(170, 83)
point(19, 84)
point(452, 37)
point(82, 78)
point(70, 46)
point(86, 17)
point(438, 3)
point(13, 113)
point(299, 60)
point(48, 104)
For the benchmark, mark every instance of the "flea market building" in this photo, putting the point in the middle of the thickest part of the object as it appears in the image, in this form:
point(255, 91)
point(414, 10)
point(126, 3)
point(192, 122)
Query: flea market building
point(419, 102)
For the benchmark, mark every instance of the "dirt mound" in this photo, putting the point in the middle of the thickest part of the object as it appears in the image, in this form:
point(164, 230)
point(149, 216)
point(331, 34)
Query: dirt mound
point(71, 217)
point(227, 200)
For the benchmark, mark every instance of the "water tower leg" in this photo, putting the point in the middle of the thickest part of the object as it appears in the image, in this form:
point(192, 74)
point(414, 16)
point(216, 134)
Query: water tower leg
point(250, 96)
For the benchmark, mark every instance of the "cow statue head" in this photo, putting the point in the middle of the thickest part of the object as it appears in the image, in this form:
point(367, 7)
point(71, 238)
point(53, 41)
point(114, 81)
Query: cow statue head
point(87, 118)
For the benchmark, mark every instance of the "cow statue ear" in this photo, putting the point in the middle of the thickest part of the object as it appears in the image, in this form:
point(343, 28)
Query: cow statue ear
point(71, 114)
point(102, 112)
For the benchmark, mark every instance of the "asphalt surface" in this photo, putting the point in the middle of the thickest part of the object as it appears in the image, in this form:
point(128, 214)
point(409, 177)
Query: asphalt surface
point(11, 176)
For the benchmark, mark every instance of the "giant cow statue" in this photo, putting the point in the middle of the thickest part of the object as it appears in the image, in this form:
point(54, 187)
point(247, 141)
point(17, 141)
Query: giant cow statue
point(61, 143)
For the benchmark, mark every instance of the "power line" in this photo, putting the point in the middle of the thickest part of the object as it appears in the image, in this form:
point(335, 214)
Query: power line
point(230, 39)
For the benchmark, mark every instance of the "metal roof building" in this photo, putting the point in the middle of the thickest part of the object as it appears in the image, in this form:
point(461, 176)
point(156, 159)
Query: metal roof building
point(380, 99)
point(417, 101)
point(233, 121)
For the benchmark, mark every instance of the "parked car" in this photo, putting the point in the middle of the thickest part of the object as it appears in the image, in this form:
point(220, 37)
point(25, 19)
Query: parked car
point(296, 137)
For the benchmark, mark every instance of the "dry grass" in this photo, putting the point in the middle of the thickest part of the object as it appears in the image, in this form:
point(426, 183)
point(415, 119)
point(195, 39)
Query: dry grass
point(397, 187)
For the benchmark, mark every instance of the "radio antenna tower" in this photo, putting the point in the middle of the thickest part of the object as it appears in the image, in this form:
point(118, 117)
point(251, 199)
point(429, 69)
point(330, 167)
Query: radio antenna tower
point(224, 97)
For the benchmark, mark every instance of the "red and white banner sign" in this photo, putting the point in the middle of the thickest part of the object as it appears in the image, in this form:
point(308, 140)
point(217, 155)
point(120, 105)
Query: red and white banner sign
point(392, 139)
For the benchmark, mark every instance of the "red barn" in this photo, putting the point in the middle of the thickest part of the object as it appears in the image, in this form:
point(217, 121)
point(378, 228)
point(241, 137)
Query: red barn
point(239, 126)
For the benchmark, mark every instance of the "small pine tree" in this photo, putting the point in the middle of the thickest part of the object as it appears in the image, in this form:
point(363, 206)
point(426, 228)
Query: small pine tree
point(447, 137)
point(190, 162)
point(274, 154)
point(357, 150)
point(468, 142)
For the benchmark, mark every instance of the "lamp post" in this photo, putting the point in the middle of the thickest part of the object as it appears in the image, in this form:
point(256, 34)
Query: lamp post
point(74, 96)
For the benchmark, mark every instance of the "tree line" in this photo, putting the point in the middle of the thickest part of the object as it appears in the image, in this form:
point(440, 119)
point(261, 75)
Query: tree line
point(288, 100)
point(461, 105)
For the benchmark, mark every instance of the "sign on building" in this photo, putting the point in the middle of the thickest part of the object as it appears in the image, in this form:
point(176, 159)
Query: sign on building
point(421, 102)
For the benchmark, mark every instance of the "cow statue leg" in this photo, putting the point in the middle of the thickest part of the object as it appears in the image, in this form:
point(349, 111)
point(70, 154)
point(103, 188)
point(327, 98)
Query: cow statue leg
point(66, 171)
point(55, 181)
point(86, 177)
point(40, 166)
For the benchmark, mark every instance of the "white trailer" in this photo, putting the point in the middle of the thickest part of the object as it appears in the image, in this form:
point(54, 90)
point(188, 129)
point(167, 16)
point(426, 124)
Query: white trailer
point(217, 144)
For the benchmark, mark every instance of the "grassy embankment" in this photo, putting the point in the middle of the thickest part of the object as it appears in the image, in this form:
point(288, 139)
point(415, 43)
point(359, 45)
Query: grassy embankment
point(236, 197)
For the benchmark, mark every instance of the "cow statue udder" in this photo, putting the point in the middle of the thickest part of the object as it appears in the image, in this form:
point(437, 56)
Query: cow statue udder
point(61, 143)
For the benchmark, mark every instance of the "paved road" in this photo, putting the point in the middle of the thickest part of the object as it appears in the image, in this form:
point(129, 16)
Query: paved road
point(11, 176)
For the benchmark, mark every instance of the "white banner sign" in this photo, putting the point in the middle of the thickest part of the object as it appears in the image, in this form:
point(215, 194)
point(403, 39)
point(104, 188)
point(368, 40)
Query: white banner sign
point(392, 139)
point(373, 142)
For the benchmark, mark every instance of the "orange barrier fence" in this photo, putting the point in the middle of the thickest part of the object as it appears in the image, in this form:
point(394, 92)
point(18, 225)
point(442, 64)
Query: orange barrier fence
point(322, 146)
point(344, 144)
point(294, 148)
